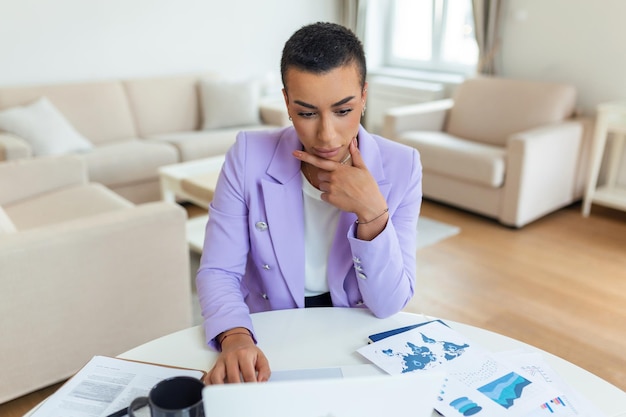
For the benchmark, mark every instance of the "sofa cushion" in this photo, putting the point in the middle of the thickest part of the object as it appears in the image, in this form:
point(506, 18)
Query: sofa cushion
point(44, 128)
point(203, 143)
point(98, 110)
point(128, 162)
point(166, 104)
point(489, 110)
point(63, 205)
point(457, 158)
point(6, 225)
point(229, 103)
point(22, 178)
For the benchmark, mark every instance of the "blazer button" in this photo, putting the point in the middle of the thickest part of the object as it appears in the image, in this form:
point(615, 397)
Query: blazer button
point(266, 267)
point(356, 260)
point(361, 275)
point(265, 297)
point(261, 226)
point(359, 303)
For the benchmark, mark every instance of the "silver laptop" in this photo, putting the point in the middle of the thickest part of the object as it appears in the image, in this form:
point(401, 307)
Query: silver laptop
point(405, 395)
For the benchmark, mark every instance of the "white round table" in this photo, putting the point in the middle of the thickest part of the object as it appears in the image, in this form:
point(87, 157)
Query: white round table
point(329, 337)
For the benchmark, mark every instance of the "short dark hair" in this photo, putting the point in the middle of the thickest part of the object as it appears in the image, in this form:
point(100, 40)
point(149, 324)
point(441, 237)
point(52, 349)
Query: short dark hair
point(321, 47)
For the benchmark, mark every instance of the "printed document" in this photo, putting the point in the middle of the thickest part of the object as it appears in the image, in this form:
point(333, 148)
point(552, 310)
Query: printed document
point(477, 381)
point(105, 385)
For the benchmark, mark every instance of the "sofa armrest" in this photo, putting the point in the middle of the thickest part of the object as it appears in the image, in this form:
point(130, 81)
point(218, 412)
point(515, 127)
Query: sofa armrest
point(429, 115)
point(274, 113)
point(26, 177)
point(13, 147)
point(97, 285)
point(542, 168)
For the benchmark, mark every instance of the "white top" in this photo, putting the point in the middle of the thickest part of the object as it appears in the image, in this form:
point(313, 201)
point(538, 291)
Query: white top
point(320, 225)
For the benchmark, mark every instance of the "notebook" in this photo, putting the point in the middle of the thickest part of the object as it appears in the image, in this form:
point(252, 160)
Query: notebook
point(413, 395)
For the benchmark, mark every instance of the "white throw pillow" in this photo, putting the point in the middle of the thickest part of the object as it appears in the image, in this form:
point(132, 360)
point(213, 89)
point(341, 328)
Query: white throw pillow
point(44, 128)
point(229, 103)
point(6, 225)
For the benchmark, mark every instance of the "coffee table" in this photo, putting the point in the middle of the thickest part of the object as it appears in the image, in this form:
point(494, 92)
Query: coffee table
point(329, 337)
point(192, 181)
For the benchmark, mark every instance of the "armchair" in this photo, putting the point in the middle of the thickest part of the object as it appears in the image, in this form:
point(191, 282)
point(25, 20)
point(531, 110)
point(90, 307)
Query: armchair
point(82, 272)
point(506, 149)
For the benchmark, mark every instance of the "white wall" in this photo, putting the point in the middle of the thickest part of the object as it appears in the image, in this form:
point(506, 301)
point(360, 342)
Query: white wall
point(576, 41)
point(44, 41)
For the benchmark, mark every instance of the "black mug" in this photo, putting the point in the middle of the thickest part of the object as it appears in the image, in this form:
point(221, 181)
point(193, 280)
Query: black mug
point(180, 396)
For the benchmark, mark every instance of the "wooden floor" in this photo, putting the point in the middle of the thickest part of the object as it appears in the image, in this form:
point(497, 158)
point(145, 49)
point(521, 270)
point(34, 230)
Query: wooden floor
point(558, 284)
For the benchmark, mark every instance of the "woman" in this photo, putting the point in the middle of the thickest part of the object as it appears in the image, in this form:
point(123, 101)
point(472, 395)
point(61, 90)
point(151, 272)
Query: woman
point(318, 214)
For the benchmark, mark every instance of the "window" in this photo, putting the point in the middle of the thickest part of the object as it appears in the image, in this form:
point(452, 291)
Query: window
point(434, 35)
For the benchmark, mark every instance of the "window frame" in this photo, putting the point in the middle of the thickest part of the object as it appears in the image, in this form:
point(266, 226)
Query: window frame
point(435, 64)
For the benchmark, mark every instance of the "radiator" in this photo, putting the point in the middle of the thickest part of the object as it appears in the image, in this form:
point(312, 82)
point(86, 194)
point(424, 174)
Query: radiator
point(386, 92)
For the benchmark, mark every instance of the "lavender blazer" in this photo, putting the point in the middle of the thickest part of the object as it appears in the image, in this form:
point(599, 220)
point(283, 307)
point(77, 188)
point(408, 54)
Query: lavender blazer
point(253, 258)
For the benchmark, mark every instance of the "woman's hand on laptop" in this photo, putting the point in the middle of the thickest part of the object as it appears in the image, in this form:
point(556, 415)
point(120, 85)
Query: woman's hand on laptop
point(240, 360)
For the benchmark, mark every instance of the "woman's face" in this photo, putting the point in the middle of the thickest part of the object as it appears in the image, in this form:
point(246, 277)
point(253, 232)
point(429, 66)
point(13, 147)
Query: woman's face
point(325, 109)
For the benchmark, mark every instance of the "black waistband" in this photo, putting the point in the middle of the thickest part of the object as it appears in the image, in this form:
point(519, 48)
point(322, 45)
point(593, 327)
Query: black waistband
point(321, 300)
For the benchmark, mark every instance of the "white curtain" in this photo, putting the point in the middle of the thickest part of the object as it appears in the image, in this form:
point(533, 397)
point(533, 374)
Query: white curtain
point(353, 16)
point(487, 27)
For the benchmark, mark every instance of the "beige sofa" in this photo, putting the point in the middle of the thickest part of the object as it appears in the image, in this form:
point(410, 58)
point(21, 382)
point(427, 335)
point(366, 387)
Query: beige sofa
point(82, 272)
point(126, 129)
point(508, 149)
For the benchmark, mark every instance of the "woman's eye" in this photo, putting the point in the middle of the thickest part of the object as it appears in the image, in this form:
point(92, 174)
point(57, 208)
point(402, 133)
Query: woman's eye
point(306, 115)
point(343, 112)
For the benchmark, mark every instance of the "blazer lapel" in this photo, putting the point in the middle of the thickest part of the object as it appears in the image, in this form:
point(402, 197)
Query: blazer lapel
point(284, 208)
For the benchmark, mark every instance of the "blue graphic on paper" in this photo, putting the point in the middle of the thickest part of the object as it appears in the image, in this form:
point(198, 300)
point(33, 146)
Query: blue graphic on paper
point(466, 406)
point(505, 390)
point(553, 404)
point(450, 350)
point(423, 357)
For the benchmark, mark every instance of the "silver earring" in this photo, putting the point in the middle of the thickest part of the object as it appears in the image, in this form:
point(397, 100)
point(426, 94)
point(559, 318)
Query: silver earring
point(363, 111)
point(290, 119)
